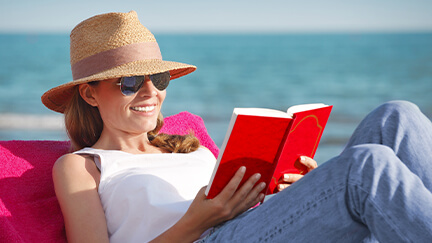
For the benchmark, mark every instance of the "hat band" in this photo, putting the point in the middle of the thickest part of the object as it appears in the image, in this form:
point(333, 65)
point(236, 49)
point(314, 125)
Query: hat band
point(112, 58)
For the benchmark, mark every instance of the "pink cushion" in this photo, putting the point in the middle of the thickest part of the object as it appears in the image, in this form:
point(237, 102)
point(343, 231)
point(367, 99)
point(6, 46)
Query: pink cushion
point(29, 211)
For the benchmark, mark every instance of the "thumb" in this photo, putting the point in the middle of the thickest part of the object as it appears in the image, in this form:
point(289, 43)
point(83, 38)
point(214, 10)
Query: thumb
point(201, 193)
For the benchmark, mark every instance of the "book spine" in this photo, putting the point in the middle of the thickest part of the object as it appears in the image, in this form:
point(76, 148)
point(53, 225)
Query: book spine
point(274, 181)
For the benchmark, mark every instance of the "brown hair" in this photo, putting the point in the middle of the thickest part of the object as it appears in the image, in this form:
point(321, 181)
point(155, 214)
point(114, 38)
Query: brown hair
point(84, 126)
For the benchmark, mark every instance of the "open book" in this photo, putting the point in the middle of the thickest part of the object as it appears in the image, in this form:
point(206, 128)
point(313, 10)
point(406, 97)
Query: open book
point(268, 142)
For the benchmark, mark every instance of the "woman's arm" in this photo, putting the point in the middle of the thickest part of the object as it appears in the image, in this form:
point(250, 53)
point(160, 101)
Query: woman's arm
point(76, 180)
point(205, 213)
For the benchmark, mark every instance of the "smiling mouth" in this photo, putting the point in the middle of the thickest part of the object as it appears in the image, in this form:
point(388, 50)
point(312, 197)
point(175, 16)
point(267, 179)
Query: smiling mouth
point(144, 108)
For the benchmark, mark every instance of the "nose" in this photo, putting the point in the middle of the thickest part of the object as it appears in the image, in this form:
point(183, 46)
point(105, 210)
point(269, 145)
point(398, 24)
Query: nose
point(148, 89)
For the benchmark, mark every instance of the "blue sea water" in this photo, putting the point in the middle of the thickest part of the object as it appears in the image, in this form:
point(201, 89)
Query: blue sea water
point(353, 72)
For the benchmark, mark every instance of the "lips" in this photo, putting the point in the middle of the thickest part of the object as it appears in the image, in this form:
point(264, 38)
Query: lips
point(148, 108)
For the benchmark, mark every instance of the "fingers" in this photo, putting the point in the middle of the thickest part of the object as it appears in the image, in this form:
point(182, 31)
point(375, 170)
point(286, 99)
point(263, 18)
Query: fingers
point(287, 180)
point(233, 184)
point(201, 193)
point(248, 195)
point(252, 193)
point(248, 191)
point(229, 203)
point(241, 199)
point(281, 187)
point(290, 178)
point(308, 162)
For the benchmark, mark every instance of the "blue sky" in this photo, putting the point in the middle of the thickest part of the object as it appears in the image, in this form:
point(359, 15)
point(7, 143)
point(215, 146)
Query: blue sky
point(226, 16)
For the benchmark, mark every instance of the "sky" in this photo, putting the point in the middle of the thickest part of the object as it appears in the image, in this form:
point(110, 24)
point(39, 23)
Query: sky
point(225, 15)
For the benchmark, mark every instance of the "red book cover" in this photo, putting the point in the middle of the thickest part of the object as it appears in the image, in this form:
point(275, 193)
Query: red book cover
point(302, 139)
point(259, 138)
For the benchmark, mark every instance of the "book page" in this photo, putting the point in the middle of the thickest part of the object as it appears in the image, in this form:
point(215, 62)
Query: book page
point(261, 112)
point(304, 107)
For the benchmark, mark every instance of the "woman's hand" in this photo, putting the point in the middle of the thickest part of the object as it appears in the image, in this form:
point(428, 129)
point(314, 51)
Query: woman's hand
point(288, 179)
point(229, 203)
point(205, 213)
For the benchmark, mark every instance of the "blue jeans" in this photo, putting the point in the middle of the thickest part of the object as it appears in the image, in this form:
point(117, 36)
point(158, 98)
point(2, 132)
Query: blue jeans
point(377, 189)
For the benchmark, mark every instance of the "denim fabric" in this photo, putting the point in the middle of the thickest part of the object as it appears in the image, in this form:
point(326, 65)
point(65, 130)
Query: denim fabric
point(377, 189)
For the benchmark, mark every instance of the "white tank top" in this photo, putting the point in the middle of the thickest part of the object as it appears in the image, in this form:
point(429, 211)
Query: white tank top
point(145, 194)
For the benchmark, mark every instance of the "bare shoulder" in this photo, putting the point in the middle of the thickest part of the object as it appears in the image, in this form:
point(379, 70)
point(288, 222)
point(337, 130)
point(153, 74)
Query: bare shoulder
point(76, 180)
point(76, 169)
point(69, 162)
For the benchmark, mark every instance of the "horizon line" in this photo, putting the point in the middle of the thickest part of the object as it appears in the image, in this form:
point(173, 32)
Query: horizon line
point(239, 32)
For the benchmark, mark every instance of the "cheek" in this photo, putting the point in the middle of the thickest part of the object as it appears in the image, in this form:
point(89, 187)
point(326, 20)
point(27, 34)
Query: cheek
point(109, 114)
point(108, 105)
point(162, 95)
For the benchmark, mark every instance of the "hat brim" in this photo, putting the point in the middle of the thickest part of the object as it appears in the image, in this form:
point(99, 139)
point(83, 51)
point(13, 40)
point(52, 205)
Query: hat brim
point(58, 97)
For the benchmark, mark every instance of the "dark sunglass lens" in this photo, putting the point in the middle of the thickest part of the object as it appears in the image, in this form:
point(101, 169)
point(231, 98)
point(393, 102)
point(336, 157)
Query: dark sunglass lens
point(130, 85)
point(160, 80)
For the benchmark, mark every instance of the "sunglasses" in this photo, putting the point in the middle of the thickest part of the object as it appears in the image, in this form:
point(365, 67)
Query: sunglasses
point(131, 85)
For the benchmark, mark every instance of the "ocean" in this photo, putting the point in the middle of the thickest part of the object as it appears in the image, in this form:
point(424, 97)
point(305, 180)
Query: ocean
point(353, 72)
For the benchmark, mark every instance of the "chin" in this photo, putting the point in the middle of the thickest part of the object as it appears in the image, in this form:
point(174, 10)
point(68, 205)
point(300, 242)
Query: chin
point(145, 123)
point(148, 126)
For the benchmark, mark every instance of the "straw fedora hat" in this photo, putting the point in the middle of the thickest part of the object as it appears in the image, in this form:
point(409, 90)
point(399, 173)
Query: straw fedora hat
point(108, 46)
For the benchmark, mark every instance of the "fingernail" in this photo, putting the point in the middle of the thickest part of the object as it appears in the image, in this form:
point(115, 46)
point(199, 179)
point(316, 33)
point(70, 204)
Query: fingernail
point(302, 159)
point(286, 176)
point(262, 185)
point(257, 176)
point(242, 169)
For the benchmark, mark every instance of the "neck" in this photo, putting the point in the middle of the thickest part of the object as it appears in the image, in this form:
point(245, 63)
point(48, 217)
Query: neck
point(127, 142)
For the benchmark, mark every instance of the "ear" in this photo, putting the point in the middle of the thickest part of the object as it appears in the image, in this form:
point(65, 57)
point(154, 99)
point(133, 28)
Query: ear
point(87, 93)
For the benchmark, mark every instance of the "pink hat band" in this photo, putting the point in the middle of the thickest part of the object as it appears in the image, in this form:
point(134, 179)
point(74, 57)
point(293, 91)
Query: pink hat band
point(115, 57)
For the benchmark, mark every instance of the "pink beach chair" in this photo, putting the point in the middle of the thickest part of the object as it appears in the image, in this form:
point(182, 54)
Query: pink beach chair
point(29, 211)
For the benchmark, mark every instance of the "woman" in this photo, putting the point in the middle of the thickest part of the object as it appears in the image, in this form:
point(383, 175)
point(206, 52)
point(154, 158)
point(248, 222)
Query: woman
point(127, 183)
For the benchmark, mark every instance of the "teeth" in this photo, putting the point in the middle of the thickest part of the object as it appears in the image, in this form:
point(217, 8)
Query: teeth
point(144, 109)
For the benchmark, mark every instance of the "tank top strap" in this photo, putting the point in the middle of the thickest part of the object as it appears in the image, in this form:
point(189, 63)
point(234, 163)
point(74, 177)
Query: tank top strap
point(95, 153)
point(105, 160)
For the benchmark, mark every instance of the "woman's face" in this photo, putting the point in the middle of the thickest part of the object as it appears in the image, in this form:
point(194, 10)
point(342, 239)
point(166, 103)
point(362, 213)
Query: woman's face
point(134, 114)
